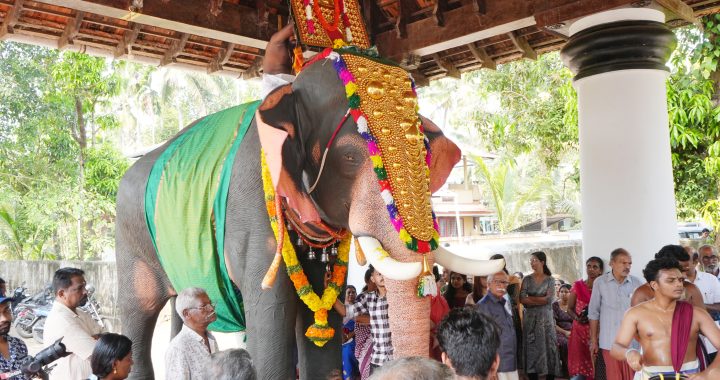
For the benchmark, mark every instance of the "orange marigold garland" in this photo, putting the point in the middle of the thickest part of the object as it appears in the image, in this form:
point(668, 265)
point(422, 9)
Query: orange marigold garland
point(320, 332)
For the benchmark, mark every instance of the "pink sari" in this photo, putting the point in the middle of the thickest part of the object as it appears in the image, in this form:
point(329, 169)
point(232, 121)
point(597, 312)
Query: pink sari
point(579, 360)
point(363, 349)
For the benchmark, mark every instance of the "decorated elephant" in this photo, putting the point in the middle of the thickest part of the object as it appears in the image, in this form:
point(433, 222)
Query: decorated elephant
point(346, 153)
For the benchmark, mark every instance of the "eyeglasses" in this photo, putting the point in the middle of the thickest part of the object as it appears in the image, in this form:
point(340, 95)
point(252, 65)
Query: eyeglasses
point(207, 307)
point(499, 282)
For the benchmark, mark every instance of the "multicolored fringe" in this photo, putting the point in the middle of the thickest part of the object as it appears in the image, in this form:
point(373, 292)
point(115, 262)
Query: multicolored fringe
point(348, 80)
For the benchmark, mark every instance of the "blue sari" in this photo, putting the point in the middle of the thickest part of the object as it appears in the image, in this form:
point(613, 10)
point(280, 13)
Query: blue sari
point(349, 362)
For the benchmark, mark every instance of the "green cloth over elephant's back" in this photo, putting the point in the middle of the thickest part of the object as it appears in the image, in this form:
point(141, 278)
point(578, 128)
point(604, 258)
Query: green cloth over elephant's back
point(185, 207)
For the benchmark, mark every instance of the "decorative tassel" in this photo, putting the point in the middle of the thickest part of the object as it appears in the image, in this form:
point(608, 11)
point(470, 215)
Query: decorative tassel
point(426, 281)
point(298, 60)
point(320, 332)
point(271, 274)
point(359, 254)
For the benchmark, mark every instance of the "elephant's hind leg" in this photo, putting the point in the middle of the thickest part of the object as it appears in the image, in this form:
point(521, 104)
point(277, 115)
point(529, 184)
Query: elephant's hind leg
point(142, 293)
point(143, 286)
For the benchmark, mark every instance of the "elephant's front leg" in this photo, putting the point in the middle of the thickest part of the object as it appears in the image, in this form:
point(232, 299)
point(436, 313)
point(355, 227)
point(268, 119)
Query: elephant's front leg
point(270, 318)
point(317, 362)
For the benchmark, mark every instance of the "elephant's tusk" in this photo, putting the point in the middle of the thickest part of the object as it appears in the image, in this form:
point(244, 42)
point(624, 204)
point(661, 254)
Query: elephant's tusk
point(386, 265)
point(467, 266)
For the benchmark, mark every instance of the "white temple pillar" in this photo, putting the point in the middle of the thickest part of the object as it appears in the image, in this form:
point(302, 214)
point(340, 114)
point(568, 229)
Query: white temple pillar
point(618, 58)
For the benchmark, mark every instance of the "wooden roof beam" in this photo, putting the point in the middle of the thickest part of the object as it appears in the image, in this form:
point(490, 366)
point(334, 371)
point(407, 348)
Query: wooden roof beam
point(127, 41)
point(447, 66)
point(438, 11)
point(176, 47)
point(11, 19)
point(420, 79)
point(482, 56)
point(521, 43)
point(681, 9)
point(254, 70)
point(222, 58)
point(71, 30)
point(236, 23)
point(464, 25)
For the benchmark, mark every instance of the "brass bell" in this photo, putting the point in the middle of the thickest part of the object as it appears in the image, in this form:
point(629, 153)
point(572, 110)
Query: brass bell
point(324, 257)
point(311, 254)
point(334, 250)
point(299, 242)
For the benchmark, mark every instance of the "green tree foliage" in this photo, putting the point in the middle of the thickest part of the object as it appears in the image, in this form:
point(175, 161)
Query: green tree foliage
point(695, 120)
point(525, 113)
point(68, 121)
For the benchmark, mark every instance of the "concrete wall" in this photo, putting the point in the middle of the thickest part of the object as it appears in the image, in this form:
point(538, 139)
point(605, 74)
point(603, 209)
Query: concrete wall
point(37, 274)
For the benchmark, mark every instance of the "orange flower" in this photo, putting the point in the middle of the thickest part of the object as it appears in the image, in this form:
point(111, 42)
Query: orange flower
point(298, 279)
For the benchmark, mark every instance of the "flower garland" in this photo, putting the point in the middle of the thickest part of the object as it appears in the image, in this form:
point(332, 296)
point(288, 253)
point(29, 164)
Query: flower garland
point(320, 332)
point(358, 115)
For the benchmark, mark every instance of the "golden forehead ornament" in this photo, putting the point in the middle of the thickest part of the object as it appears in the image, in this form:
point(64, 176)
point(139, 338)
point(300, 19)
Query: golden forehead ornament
point(390, 105)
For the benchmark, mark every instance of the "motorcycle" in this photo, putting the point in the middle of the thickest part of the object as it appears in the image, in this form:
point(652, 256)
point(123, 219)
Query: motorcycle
point(91, 307)
point(32, 310)
point(18, 296)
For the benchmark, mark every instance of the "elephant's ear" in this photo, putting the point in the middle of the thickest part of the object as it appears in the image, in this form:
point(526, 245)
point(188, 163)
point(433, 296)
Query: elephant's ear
point(445, 154)
point(281, 141)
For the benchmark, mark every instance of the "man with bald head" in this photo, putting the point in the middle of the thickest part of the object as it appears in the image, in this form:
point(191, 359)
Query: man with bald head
point(493, 305)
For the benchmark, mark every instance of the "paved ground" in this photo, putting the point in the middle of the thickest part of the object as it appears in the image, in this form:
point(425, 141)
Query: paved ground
point(161, 337)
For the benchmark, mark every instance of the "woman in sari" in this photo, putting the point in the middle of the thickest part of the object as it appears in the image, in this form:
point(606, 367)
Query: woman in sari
point(580, 363)
point(363, 339)
point(349, 362)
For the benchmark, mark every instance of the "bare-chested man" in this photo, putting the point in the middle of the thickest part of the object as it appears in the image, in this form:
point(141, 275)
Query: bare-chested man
point(653, 323)
point(691, 294)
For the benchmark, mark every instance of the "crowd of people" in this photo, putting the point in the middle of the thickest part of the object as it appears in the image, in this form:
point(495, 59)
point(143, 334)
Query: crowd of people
point(608, 325)
point(192, 354)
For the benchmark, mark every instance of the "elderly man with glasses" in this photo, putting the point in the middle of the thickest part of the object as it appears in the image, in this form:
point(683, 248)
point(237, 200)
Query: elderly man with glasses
point(493, 304)
point(188, 355)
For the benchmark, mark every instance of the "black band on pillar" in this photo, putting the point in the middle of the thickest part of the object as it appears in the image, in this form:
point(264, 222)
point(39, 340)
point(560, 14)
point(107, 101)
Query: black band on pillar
point(622, 45)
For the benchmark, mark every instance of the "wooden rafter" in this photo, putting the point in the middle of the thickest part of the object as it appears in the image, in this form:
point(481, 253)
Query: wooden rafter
point(254, 70)
point(403, 18)
point(71, 30)
point(482, 56)
point(237, 23)
point(681, 9)
point(222, 58)
point(420, 79)
point(480, 6)
point(11, 18)
point(127, 41)
point(438, 11)
point(447, 66)
point(176, 47)
point(216, 7)
point(521, 43)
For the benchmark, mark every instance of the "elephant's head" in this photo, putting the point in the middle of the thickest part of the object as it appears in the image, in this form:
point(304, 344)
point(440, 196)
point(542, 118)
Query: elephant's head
point(296, 124)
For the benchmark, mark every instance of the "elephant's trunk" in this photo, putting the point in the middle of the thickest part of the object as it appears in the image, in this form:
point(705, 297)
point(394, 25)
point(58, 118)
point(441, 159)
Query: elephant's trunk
point(409, 314)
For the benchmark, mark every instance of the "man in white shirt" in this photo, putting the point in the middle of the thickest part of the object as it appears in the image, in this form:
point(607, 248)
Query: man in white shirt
point(707, 252)
point(77, 328)
point(188, 355)
point(708, 285)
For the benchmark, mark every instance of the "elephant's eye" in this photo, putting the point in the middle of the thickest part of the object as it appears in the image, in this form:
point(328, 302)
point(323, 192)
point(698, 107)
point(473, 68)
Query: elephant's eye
point(349, 156)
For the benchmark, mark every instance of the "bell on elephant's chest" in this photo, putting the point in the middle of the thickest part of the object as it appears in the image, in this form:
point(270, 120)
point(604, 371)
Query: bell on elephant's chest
point(311, 254)
point(324, 257)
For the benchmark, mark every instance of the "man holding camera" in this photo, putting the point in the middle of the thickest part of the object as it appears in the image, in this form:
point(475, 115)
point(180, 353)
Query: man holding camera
point(12, 350)
point(77, 328)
